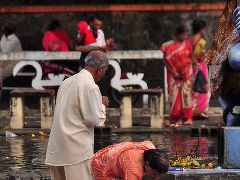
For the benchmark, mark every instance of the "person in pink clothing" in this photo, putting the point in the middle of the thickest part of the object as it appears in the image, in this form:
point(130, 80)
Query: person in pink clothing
point(56, 39)
point(200, 100)
point(129, 161)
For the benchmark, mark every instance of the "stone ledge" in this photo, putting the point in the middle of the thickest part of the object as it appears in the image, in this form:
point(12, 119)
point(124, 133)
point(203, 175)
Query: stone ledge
point(191, 174)
point(199, 174)
point(109, 130)
point(112, 112)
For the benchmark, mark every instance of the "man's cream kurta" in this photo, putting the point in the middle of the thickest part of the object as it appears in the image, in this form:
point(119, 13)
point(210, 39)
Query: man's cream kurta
point(78, 109)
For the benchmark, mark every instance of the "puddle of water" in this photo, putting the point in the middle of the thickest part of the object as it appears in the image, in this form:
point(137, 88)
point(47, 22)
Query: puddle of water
point(27, 155)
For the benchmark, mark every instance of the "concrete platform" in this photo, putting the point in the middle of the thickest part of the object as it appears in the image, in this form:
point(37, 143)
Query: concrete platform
point(192, 174)
point(197, 174)
point(141, 124)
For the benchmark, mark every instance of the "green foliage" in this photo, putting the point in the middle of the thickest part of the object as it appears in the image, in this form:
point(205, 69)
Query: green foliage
point(100, 2)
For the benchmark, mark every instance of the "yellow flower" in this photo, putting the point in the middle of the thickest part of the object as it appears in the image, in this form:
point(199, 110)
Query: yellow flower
point(175, 163)
point(6, 127)
point(40, 133)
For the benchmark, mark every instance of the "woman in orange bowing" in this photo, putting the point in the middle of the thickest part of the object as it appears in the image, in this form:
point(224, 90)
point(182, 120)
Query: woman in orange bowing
point(129, 161)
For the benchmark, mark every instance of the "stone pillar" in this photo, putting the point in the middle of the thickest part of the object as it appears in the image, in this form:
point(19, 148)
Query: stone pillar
point(17, 112)
point(157, 111)
point(126, 112)
point(46, 108)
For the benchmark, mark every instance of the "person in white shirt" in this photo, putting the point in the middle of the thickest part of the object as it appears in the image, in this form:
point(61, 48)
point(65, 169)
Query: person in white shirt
point(79, 107)
point(9, 43)
point(95, 27)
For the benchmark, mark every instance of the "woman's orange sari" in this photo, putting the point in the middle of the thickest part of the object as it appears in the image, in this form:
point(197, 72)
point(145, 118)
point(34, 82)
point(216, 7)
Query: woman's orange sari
point(178, 56)
point(120, 161)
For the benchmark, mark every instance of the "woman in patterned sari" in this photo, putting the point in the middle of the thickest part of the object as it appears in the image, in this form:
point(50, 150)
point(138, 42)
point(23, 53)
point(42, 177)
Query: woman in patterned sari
point(178, 61)
point(200, 101)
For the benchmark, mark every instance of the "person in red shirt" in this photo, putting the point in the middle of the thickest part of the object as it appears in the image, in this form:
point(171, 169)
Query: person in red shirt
point(56, 39)
point(86, 42)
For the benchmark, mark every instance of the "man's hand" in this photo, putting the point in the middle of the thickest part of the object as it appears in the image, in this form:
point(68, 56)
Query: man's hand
point(105, 101)
point(236, 19)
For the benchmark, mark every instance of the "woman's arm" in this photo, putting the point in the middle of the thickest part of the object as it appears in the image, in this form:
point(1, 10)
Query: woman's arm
point(166, 63)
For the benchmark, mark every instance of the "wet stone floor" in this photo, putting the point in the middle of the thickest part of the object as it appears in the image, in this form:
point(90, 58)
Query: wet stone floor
point(22, 157)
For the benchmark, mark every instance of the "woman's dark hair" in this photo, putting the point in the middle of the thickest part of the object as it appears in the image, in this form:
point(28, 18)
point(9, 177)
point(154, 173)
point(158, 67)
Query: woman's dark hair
point(53, 25)
point(180, 29)
point(157, 159)
point(8, 29)
point(198, 25)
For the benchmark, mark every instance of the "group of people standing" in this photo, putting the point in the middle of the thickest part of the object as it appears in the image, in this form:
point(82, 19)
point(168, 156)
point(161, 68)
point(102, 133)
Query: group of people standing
point(80, 106)
point(90, 37)
point(184, 56)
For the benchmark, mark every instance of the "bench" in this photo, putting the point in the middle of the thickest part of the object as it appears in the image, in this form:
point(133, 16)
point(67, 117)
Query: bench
point(47, 103)
point(156, 107)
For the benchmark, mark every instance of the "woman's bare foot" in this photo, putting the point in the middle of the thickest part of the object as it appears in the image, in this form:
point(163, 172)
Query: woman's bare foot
point(167, 123)
point(188, 122)
point(204, 115)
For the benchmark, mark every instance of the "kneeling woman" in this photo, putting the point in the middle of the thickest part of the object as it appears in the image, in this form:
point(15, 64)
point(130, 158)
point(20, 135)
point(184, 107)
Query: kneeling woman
point(129, 161)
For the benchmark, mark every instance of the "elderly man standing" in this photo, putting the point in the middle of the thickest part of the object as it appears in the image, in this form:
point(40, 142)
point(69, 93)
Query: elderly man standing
point(79, 107)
